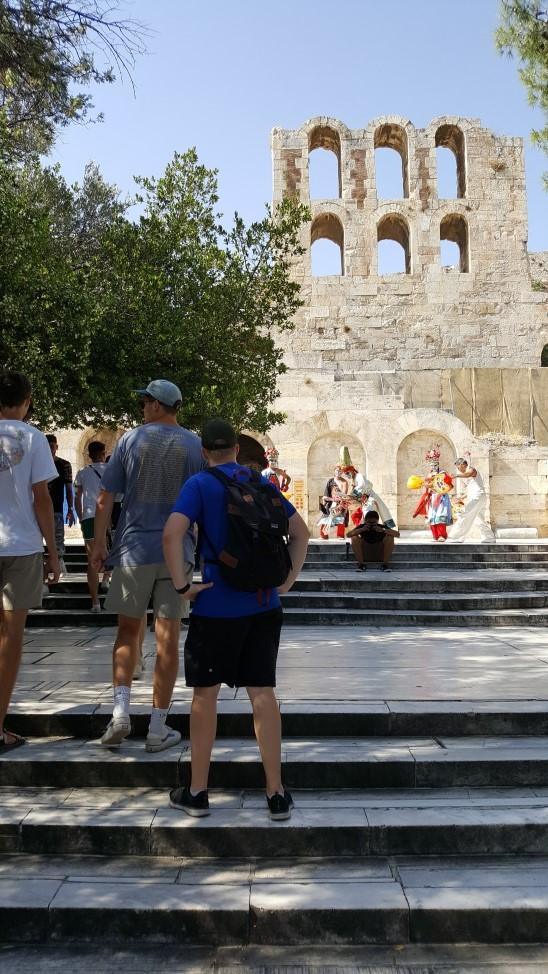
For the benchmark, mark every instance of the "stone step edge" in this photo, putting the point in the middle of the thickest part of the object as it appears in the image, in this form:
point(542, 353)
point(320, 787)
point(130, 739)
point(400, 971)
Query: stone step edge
point(366, 832)
point(376, 912)
point(321, 718)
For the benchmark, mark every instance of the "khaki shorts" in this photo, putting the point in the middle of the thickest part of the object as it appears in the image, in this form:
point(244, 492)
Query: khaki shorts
point(21, 581)
point(132, 589)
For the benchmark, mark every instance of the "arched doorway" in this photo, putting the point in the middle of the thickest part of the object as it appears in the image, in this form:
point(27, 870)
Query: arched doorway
point(411, 452)
point(107, 436)
point(323, 457)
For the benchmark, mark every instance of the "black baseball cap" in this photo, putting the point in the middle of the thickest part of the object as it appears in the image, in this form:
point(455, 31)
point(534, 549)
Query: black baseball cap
point(217, 434)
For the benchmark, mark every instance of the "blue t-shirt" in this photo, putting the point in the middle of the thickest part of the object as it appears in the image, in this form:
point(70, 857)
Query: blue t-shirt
point(149, 465)
point(203, 501)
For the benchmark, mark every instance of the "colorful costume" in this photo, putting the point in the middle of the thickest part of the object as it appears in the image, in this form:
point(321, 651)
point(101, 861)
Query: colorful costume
point(338, 497)
point(273, 473)
point(434, 503)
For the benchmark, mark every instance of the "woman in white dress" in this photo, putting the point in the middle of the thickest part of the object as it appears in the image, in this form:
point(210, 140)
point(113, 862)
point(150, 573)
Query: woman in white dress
point(475, 504)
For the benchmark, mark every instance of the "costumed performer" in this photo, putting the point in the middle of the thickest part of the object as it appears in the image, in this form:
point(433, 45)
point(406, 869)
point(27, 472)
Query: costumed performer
point(435, 503)
point(337, 497)
point(474, 505)
point(273, 472)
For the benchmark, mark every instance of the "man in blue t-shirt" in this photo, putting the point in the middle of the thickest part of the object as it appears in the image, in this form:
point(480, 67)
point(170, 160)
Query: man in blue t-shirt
point(233, 636)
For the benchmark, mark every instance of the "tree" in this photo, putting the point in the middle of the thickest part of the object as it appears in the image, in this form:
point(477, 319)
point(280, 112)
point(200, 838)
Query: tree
point(95, 304)
point(49, 51)
point(523, 32)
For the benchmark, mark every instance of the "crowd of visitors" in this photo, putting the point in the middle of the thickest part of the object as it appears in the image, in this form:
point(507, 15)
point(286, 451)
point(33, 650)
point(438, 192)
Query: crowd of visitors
point(165, 488)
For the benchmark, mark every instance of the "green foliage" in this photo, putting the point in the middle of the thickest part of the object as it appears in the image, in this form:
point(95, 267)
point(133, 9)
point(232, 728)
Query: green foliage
point(50, 51)
point(523, 33)
point(95, 305)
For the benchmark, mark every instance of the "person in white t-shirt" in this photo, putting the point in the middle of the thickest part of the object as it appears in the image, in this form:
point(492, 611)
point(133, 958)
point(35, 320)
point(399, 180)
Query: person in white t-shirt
point(26, 518)
point(475, 504)
point(87, 484)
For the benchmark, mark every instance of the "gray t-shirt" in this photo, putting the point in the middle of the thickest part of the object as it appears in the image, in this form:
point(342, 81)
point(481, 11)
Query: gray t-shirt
point(149, 466)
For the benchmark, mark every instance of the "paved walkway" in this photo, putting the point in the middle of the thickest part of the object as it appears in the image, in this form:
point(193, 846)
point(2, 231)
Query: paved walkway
point(73, 666)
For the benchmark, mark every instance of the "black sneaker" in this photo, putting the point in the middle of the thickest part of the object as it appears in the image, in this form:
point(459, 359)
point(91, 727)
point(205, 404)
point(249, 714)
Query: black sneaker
point(195, 805)
point(280, 806)
point(361, 568)
point(385, 568)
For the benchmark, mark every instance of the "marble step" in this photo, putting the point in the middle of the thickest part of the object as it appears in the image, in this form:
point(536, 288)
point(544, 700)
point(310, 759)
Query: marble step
point(309, 762)
point(446, 554)
point(162, 900)
point(390, 718)
point(374, 581)
point(410, 569)
point(400, 617)
point(133, 822)
point(404, 600)
point(323, 615)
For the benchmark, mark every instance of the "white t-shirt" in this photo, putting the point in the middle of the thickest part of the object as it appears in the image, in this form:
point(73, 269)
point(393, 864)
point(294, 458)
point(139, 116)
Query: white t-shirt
point(474, 487)
point(25, 459)
point(89, 479)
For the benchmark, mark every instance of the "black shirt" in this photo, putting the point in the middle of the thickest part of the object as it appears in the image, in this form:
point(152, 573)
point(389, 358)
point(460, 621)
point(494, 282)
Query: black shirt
point(57, 486)
point(372, 536)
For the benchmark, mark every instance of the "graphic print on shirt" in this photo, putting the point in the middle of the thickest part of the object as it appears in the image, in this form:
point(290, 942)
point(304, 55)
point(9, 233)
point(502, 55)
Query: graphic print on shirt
point(11, 449)
point(169, 455)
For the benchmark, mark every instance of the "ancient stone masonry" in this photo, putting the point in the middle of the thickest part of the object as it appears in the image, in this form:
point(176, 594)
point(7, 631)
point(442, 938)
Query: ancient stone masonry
point(377, 361)
point(388, 364)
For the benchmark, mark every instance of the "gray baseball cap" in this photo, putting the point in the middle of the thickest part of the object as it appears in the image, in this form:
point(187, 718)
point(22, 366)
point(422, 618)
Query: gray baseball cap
point(164, 391)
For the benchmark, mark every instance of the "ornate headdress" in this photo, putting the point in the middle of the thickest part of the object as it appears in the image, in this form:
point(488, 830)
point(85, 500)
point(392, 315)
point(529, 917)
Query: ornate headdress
point(271, 454)
point(434, 453)
point(345, 463)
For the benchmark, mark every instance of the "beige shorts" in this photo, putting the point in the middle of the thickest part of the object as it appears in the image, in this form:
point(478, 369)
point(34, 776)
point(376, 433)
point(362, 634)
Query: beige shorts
point(21, 581)
point(132, 589)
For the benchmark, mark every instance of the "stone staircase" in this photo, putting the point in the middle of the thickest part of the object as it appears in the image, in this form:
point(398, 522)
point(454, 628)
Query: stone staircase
point(413, 823)
point(431, 585)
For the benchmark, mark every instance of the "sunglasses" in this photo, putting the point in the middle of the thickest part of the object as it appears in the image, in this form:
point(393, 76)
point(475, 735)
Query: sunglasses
point(145, 400)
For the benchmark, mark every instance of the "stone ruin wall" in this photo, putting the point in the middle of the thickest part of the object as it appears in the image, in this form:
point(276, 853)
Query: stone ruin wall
point(387, 362)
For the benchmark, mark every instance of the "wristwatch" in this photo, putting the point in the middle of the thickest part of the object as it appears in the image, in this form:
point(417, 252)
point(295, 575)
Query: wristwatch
point(184, 589)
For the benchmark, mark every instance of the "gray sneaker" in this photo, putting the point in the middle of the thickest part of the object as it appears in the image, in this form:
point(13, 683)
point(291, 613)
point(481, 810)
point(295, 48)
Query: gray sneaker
point(118, 729)
point(157, 742)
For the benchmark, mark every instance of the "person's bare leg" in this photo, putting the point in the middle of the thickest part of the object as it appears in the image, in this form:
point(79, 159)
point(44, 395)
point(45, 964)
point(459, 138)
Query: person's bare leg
point(12, 627)
point(203, 730)
point(126, 649)
point(93, 576)
point(388, 548)
point(357, 548)
point(167, 661)
point(268, 731)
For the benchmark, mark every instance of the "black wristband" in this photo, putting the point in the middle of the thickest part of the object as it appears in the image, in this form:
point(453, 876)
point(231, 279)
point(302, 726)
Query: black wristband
point(184, 589)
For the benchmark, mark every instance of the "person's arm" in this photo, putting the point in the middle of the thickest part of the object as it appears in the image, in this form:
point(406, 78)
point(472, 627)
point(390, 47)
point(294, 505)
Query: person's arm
point(43, 509)
point(392, 532)
point(176, 528)
point(70, 503)
point(298, 546)
point(78, 500)
point(103, 516)
point(471, 472)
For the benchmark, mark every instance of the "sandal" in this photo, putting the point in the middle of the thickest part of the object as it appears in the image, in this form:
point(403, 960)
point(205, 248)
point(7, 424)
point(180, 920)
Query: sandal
point(9, 740)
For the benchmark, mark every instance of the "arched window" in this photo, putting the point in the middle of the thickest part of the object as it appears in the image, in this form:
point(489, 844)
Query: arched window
point(452, 171)
point(393, 250)
point(324, 163)
point(454, 242)
point(391, 172)
point(327, 246)
point(544, 357)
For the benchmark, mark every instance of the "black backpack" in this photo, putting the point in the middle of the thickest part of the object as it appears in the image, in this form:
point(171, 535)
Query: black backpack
point(255, 555)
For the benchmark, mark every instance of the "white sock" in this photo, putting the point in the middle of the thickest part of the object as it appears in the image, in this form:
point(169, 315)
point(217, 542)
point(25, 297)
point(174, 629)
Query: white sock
point(157, 722)
point(121, 701)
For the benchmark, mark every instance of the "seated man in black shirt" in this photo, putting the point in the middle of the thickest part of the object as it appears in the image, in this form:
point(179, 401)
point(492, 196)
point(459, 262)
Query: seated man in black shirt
point(373, 542)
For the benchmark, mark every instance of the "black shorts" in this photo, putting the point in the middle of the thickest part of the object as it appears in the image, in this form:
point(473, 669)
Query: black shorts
point(240, 652)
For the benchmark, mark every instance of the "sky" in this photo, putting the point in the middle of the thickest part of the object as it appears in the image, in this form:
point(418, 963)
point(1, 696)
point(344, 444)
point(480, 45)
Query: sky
point(220, 74)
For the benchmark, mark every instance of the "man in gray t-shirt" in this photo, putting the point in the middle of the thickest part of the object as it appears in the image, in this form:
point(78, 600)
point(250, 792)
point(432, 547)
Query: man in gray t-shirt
point(149, 465)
